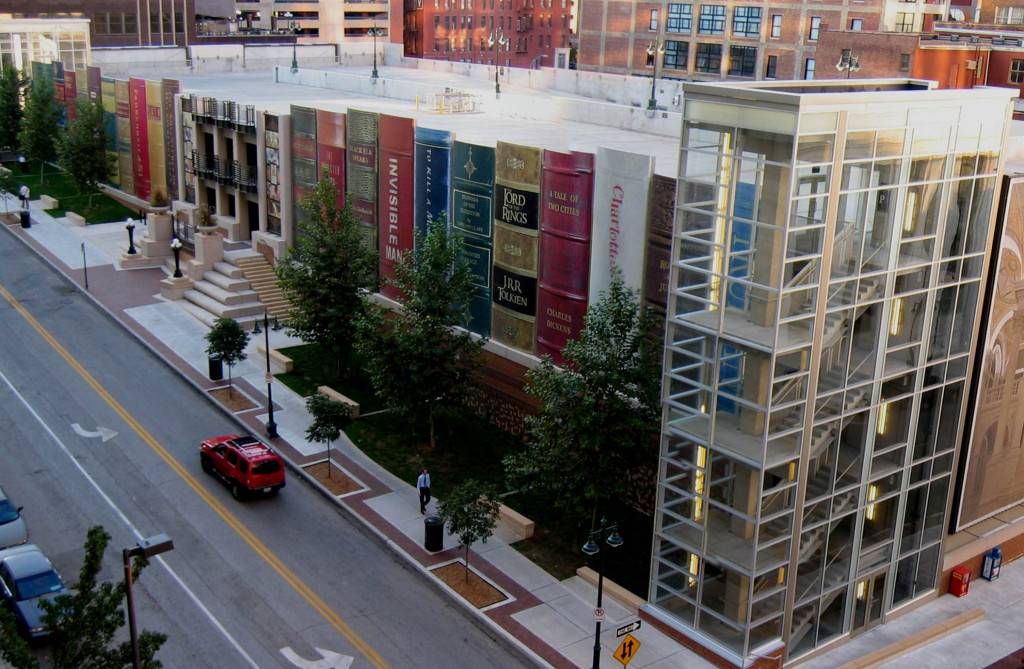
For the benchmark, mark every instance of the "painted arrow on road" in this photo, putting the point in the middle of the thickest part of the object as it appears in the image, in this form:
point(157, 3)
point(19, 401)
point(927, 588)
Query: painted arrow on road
point(104, 433)
point(329, 659)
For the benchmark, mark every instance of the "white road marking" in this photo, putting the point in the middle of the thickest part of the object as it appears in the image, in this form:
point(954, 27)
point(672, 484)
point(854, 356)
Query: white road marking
point(138, 535)
point(329, 659)
point(104, 433)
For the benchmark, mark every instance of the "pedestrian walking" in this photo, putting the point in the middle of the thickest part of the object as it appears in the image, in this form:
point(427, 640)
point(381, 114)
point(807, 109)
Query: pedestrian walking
point(423, 485)
point(24, 193)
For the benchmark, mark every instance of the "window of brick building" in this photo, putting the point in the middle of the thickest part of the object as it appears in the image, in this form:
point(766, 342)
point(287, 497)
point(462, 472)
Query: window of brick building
point(746, 21)
point(771, 66)
point(742, 61)
point(904, 62)
point(815, 30)
point(904, 22)
point(809, 68)
point(709, 58)
point(712, 20)
point(856, 25)
point(654, 21)
point(776, 25)
point(676, 55)
point(680, 18)
point(1010, 15)
point(1017, 71)
point(437, 23)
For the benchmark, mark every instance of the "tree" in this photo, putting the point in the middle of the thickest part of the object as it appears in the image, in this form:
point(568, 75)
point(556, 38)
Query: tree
point(470, 511)
point(11, 85)
point(227, 340)
point(84, 621)
point(330, 418)
point(597, 425)
point(37, 138)
point(83, 148)
point(325, 272)
point(416, 359)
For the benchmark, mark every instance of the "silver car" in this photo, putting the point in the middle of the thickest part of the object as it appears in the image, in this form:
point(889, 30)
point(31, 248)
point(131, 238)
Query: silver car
point(12, 526)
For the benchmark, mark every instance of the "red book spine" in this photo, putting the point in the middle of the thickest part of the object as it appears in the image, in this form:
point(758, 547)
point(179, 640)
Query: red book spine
point(395, 191)
point(71, 93)
point(140, 136)
point(565, 230)
point(330, 149)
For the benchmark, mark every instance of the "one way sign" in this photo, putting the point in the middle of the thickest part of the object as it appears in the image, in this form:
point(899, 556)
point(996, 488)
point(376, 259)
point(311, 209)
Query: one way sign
point(627, 650)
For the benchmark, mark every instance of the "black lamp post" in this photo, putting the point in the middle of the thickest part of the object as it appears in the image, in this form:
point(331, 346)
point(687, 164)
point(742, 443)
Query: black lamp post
point(849, 61)
point(295, 39)
point(497, 40)
point(176, 247)
point(271, 425)
point(147, 548)
point(609, 533)
point(375, 33)
point(656, 48)
point(130, 227)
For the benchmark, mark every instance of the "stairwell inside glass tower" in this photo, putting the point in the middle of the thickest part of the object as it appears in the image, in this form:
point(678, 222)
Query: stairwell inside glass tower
point(791, 372)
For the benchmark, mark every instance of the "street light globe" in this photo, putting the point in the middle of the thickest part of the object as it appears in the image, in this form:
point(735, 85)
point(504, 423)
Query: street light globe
point(175, 243)
point(130, 224)
point(591, 547)
point(614, 539)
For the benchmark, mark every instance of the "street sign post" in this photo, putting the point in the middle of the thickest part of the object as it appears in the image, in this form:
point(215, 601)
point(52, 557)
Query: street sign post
point(626, 629)
point(627, 650)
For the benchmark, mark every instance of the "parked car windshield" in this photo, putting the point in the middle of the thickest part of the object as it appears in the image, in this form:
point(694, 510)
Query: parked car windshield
point(8, 511)
point(37, 585)
point(266, 467)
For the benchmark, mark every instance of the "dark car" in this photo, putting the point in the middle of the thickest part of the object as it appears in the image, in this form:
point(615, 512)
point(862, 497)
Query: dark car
point(244, 463)
point(26, 579)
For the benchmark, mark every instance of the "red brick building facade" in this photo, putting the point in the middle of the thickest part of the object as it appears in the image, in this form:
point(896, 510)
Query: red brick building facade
point(461, 30)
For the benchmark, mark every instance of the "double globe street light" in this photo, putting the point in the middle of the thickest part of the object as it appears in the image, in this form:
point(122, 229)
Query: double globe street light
point(609, 534)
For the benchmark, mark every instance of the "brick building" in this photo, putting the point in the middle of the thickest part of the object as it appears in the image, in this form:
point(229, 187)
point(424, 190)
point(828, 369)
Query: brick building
point(127, 22)
point(730, 38)
point(461, 30)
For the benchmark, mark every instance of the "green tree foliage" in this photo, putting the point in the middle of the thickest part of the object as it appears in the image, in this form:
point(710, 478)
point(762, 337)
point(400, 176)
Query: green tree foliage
point(330, 418)
point(227, 340)
point(470, 511)
point(84, 622)
point(82, 148)
point(324, 273)
point(11, 85)
point(38, 136)
point(598, 420)
point(416, 359)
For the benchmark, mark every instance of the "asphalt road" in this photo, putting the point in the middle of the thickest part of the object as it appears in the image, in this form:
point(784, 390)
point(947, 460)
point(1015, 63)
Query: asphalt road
point(245, 580)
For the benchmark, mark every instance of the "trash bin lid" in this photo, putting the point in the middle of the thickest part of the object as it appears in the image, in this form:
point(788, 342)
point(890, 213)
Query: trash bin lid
point(432, 520)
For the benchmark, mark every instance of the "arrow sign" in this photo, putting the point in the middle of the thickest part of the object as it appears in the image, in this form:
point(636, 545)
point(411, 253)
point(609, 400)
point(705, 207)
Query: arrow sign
point(104, 433)
point(626, 629)
point(329, 659)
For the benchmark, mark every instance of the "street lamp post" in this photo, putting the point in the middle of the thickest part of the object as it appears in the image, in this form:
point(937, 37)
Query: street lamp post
point(656, 48)
point(295, 39)
point(147, 548)
point(497, 40)
point(849, 61)
point(375, 32)
point(609, 533)
point(271, 425)
point(130, 227)
point(176, 247)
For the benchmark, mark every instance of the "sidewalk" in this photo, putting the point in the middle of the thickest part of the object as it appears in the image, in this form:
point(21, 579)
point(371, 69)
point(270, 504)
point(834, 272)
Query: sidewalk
point(551, 619)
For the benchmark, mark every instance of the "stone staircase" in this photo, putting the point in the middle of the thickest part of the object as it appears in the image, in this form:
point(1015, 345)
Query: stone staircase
point(222, 292)
point(263, 281)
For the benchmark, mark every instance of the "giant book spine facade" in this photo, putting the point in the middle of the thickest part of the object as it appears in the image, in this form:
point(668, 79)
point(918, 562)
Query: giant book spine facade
point(363, 131)
point(397, 179)
point(516, 229)
point(171, 87)
point(140, 136)
point(272, 170)
point(330, 149)
point(472, 218)
point(304, 177)
point(108, 97)
point(565, 229)
point(433, 160)
point(155, 138)
point(125, 161)
point(658, 261)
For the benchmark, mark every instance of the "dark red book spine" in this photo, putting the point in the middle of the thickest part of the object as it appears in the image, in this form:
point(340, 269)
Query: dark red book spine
point(396, 181)
point(565, 228)
point(330, 149)
point(658, 255)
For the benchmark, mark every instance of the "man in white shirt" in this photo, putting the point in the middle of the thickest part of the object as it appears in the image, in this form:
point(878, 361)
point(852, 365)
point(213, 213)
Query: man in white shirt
point(24, 194)
point(423, 485)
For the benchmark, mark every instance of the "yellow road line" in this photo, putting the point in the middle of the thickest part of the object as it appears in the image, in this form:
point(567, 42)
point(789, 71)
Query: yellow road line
point(257, 546)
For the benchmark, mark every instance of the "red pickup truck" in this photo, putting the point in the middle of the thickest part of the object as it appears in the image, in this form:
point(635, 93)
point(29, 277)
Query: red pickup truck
point(244, 463)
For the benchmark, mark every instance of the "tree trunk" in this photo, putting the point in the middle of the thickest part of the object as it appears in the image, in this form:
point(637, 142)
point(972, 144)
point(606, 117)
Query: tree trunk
point(231, 393)
point(430, 414)
point(467, 563)
point(328, 460)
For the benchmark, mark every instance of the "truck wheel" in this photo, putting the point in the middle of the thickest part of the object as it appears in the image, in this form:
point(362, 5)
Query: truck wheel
point(236, 491)
point(207, 466)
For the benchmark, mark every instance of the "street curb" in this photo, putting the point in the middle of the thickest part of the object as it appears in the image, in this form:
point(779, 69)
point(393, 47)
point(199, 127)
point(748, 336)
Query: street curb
point(483, 622)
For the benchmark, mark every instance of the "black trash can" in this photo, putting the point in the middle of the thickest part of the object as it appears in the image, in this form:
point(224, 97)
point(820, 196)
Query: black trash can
point(433, 533)
point(216, 369)
point(26, 220)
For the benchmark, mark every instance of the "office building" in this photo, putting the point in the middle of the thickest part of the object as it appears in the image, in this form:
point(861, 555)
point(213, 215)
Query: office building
point(829, 259)
point(330, 21)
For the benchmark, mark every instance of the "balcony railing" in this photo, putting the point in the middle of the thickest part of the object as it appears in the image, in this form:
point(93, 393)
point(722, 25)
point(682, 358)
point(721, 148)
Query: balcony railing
point(225, 114)
point(244, 176)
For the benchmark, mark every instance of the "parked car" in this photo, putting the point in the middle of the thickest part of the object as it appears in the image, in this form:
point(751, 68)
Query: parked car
point(12, 526)
point(27, 578)
point(244, 463)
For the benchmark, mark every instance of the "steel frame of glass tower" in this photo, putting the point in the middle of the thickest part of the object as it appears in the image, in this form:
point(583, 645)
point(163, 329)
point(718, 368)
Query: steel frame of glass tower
point(830, 248)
